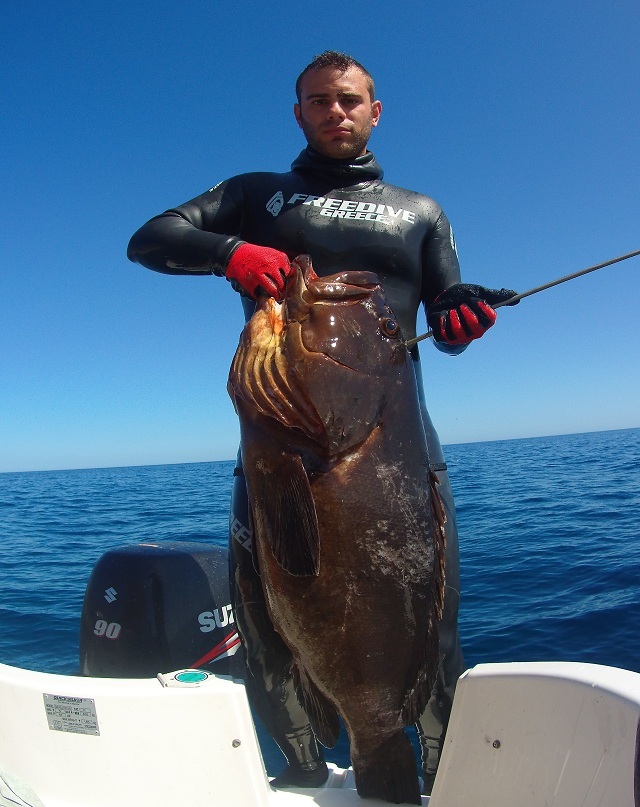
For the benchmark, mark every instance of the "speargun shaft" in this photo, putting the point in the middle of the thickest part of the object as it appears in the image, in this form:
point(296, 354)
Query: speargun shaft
point(512, 300)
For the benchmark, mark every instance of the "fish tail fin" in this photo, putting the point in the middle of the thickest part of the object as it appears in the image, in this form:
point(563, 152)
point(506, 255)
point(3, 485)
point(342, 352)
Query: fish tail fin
point(420, 693)
point(389, 772)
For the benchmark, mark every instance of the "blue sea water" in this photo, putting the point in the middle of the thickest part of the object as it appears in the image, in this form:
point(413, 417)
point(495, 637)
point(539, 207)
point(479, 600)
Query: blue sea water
point(549, 542)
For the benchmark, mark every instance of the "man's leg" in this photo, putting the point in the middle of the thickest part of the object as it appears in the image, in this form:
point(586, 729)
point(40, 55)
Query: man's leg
point(432, 725)
point(269, 681)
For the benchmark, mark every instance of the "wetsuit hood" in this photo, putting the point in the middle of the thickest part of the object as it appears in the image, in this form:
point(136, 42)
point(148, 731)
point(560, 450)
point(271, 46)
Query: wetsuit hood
point(357, 169)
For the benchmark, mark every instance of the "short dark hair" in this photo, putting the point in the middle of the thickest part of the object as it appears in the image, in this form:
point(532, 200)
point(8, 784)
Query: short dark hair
point(341, 61)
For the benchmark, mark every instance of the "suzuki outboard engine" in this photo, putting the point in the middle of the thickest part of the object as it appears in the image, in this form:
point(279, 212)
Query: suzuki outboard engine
point(159, 607)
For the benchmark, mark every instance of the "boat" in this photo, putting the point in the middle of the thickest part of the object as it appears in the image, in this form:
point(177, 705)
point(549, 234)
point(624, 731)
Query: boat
point(558, 734)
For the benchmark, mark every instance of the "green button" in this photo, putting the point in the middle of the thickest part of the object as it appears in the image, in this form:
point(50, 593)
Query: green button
point(191, 677)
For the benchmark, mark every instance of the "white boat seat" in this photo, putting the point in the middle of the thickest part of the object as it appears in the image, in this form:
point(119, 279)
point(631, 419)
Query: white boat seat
point(552, 734)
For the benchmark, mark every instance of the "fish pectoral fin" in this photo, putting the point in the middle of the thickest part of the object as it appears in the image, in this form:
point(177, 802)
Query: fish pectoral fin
point(322, 714)
point(287, 517)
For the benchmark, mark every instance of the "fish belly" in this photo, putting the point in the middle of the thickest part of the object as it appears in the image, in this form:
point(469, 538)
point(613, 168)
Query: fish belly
point(358, 629)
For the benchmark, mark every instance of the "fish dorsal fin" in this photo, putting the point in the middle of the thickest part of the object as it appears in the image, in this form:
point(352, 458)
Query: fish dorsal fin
point(285, 516)
point(322, 714)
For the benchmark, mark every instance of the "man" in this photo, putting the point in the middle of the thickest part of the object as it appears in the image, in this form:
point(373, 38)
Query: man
point(333, 206)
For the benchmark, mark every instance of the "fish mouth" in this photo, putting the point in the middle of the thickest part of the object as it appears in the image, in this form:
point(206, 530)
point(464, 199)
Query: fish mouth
point(317, 310)
point(305, 289)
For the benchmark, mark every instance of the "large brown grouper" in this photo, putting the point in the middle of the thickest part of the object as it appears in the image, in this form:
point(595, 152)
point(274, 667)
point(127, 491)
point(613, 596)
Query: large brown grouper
point(348, 525)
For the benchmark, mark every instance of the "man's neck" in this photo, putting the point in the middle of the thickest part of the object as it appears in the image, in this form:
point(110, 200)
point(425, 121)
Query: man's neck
point(357, 169)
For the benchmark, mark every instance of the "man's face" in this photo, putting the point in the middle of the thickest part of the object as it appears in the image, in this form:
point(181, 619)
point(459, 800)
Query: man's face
point(336, 113)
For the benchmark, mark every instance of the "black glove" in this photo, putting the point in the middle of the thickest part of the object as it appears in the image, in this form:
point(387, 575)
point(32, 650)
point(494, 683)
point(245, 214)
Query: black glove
point(463, 312)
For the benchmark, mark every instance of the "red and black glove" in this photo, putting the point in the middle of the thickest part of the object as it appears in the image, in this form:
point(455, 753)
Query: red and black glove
point(255, 269)
point(463, 312)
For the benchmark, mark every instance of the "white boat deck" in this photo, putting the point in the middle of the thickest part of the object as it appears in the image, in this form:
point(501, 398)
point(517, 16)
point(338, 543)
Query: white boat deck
point(521, 735)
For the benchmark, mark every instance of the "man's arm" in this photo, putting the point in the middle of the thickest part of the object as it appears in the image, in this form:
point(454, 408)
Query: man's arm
point(201, 237)
point(459, 312)
point(196, 238)
point(440, 271)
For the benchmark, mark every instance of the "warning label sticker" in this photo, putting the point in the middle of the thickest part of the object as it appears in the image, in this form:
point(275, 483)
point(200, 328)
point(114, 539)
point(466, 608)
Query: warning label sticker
point(77, 715)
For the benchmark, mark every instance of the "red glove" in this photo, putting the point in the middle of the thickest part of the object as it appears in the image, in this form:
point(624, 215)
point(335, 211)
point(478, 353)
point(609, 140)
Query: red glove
point(256, 268)
point(463, 312)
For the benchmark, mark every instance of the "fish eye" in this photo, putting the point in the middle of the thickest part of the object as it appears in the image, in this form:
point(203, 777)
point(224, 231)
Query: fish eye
point(389, 327)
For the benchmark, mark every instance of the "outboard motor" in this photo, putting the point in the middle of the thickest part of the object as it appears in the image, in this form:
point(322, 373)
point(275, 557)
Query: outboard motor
point(153, 608)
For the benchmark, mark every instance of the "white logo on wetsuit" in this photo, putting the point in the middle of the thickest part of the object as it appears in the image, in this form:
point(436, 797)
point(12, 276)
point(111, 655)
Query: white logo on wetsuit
point(275, 204)
point(343, 208)
point(240, 533)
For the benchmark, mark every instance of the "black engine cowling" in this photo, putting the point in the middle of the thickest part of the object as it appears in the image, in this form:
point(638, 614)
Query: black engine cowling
point(153, 608)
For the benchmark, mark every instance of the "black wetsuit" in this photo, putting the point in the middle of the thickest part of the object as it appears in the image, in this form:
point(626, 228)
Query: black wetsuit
point(345, 217)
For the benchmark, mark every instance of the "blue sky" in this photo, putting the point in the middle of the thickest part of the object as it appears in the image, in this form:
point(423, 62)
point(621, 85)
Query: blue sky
point(521, 119)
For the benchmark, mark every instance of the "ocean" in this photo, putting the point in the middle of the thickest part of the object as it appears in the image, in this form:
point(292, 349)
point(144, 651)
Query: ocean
point(549, 546)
